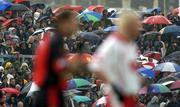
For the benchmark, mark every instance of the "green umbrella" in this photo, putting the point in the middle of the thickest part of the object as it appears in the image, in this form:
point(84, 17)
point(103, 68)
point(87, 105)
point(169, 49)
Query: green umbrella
point(81, 99)
point(90, 16)
point(81, 82)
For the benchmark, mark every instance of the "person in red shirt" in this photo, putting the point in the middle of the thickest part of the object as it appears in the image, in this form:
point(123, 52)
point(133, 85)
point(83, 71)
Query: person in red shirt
point(48, 66)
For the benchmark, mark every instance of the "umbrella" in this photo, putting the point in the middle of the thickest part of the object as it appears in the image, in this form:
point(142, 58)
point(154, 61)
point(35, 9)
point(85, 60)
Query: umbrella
point(11, 91)
point(33, 89)
point(90, 16)
point(2, 19)
point(173, 57)
point(101, 101)
point(90, 36)
point(38, 32)
point(26, 88)
point(41, 18)
point(175, 85)
point(81, 99)
point(97, 8)
point(172, 29)
point(153, 55)
point(78, 83)
point(71, 92)
point(158, 88)
point(7, 23)
point(4, 4)
point(18, 7)
point(85, 58)
point(148, 65)
point(153, 10)
point(167, 67)
point(151, 33)
point(157, 20)
point(166, 79)
point(38, 5)
point(146, 73)
point(111, 29)
point(76, 8)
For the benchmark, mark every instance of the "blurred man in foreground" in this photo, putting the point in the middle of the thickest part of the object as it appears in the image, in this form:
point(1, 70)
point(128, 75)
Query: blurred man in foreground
point(48, 67)
point(114, 61)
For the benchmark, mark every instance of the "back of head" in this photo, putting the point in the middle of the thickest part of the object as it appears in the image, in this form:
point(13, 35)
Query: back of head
point(126, 17)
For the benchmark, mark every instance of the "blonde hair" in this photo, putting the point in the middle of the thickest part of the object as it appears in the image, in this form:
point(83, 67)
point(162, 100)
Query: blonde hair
point(125, 18)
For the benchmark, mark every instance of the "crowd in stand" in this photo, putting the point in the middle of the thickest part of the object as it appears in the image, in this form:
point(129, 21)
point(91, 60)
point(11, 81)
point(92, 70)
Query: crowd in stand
point(19, 36)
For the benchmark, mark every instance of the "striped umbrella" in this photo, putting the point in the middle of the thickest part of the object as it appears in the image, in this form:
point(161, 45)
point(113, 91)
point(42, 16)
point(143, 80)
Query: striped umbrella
point(90, 16)
point(146, 73)
point(78, 83)
point(158, 88)
point(167, 67)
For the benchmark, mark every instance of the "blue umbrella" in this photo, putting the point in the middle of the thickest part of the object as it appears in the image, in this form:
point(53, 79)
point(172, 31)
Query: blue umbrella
point(4, 4)
point(90, 16)
point(146, 72)
point(153, 10)
point(167, 67)
point(111, 29)
point(171, 30)
point(158, 88)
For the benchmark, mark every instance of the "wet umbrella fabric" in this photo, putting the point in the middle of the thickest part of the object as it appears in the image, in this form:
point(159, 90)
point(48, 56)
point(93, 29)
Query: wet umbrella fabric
point(167, 67)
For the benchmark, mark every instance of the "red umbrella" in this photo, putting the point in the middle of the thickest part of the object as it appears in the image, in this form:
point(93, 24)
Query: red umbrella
point(96, 8)
point(58, 10)
point(76, 8)
point(159, 19)
point(175, 85)
point(2, 19)
point(8, 23)
point(11, 91)
point(154, 55)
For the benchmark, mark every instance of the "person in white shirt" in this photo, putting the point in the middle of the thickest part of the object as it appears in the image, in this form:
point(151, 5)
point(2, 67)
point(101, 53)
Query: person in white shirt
point(115, 60)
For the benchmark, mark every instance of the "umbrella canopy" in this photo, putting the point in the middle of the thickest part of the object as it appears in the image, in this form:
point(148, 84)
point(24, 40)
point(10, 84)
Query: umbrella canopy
point(81, 99)
point(173, 57)
point(26, 88)
point(8, 23)
point(101, 101)
point(41, 18)
point(96, 8)
point(38, 32)
point(148, 65)
point(153, 55)
point(172, 29)
point(11, 91)
point(18, 7)
point(85, 58)
point(175, 85)
point(4, 4)
point(90, 16)
point(158, 88)
point(2, 19)
point(151, 33)
point(78, 83)
point(76, 8)
point(167, 67)
point(146, 73)
point(111, 29)
point(90, 36)
point(166, 79)
point(153, 10)
point(157, 20)
point(38, 5)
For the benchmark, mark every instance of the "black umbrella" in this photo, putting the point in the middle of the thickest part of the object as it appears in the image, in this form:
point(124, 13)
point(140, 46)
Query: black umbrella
point(18, 7)
point(170, 29)
point(90, 36)
point(41, 18)
point(152, 33)
point(173, 57)
point(38, 5)
point(169, 78)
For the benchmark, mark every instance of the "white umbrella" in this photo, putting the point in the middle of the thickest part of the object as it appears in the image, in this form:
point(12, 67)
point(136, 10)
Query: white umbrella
point(167, 67)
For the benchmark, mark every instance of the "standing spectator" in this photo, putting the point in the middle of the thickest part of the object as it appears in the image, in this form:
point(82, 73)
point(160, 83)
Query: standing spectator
point(154, 102)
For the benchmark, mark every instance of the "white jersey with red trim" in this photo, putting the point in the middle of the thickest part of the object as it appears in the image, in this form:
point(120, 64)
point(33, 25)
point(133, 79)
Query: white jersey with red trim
point(116, 58)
